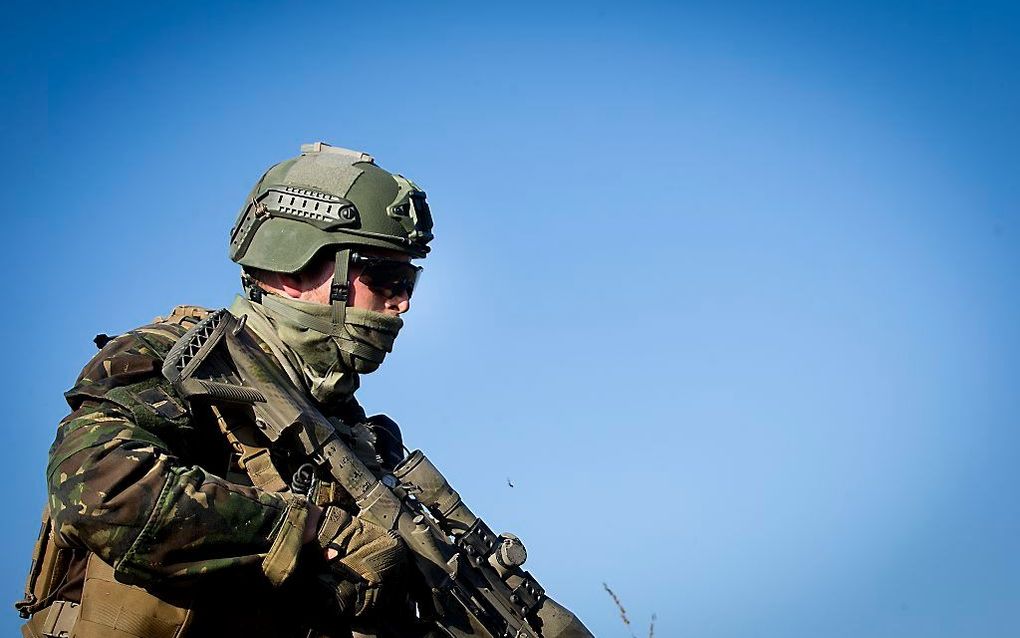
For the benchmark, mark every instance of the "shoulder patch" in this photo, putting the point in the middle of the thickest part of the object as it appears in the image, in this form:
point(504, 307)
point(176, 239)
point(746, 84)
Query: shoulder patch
point(130, 358)
point(129, 365)
point(134, 361)
point(161, 402)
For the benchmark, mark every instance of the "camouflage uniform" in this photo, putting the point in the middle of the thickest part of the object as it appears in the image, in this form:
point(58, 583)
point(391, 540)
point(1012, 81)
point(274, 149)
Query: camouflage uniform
point(137, 479)
point(145, 489)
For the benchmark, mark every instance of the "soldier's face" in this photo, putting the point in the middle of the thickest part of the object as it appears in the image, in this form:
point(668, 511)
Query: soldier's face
point(316, 286)
point(362, 296)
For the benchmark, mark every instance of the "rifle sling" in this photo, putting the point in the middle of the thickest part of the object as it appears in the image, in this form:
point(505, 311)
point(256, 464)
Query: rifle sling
point(255, 459)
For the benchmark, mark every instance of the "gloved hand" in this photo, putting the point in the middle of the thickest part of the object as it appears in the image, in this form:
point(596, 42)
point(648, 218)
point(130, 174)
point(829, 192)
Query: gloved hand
point(369, 561)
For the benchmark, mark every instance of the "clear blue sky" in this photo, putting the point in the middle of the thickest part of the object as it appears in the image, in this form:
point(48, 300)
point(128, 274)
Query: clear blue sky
point(728, 291)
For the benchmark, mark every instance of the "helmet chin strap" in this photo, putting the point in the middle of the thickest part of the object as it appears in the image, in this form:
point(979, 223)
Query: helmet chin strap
point(340, 291)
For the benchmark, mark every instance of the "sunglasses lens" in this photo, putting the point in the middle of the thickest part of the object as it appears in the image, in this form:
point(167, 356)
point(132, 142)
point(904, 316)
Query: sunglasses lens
point(389, 277)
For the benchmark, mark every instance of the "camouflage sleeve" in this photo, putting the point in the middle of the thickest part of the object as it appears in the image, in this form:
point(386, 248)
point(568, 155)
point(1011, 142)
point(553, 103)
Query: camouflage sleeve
point(117, 489)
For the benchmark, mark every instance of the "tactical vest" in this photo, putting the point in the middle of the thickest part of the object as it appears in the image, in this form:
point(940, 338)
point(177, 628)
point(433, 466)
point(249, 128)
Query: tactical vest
point(107, 608)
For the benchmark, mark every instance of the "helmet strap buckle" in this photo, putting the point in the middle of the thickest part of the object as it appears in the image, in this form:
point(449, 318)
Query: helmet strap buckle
point(340, 289)
point(339, 292)
point(251, 288)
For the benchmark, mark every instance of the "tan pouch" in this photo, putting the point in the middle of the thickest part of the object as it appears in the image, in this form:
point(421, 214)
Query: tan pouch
point(33, 627)
point(111, 609)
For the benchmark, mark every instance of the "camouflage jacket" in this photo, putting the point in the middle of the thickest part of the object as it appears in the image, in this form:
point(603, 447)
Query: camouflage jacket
point(137, 478)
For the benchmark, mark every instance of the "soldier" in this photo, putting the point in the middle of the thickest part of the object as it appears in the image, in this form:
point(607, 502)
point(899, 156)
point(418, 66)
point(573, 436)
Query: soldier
point(170, 519)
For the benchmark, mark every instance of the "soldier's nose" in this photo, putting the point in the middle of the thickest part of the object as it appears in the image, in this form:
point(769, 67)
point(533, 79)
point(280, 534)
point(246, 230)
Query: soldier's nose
point(398, 304)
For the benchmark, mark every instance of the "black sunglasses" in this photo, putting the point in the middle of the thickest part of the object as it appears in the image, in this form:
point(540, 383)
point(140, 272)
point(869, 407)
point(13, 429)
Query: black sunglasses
point(387, 277)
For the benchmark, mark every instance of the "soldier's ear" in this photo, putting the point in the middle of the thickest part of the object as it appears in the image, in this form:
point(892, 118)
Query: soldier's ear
point(291, 285)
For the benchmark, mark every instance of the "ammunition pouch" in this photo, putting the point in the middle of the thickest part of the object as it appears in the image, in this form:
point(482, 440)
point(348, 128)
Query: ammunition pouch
point(111, 609)
point(57, 621)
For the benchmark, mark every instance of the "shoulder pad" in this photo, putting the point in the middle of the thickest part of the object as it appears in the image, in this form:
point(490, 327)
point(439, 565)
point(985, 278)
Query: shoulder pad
point(135, 357)
point(130, 358)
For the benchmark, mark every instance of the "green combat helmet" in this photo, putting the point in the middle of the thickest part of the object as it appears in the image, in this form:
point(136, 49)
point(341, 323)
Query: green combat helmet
point(328, 196)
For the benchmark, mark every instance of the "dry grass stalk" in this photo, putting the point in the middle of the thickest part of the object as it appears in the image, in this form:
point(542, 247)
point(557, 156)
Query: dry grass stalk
point(619, 605)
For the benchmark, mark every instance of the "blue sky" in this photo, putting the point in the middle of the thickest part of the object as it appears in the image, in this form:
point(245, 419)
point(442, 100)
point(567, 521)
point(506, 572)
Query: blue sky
point(727, 290)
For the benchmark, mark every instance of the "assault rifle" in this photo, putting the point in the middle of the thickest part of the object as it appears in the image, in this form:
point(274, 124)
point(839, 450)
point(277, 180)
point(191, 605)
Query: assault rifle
point(474, 583)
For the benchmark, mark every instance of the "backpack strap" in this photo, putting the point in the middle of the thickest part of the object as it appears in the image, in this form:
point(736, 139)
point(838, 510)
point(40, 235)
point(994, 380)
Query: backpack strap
point(255, 458)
